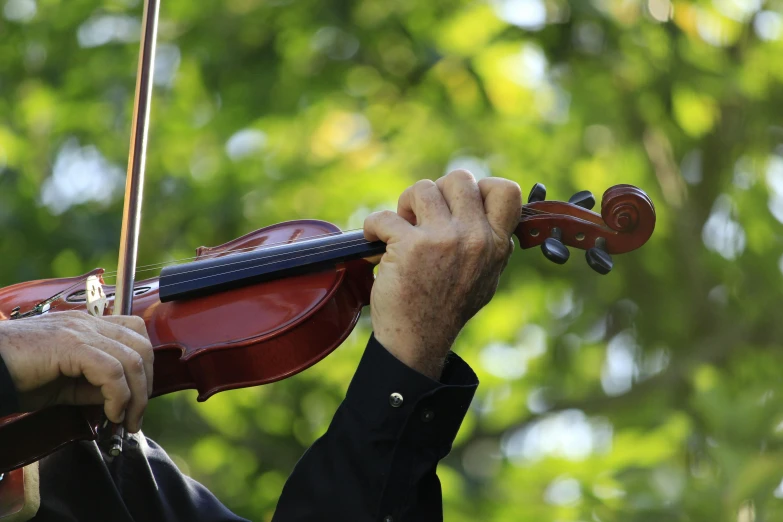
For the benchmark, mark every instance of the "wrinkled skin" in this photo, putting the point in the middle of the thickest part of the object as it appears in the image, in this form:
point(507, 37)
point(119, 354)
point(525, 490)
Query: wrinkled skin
point(447, 245)
point(75, 358)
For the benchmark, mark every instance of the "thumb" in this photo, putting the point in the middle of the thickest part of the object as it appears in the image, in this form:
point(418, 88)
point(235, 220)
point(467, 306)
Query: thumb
point(502, 204)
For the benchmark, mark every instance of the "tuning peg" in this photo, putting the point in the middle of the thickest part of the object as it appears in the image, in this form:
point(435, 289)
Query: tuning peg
point(537, 193)
point(583, 199)
point(599, 260)
point(554, 249)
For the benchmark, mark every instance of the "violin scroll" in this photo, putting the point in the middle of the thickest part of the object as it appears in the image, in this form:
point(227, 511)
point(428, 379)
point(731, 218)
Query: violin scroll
point(630, 211)
point(626, 222)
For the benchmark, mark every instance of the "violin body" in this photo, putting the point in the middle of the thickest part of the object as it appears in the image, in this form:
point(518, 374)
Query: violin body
point(274, 302)
point(247, 336)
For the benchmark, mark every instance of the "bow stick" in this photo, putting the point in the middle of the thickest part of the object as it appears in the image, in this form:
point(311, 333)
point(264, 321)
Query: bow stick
point(134, 182)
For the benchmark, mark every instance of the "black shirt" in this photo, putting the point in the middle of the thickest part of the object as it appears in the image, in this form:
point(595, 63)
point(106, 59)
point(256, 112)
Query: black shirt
point(376, 461)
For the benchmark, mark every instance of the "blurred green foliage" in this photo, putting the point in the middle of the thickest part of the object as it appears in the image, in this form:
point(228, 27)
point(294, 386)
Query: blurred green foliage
point(654, 393)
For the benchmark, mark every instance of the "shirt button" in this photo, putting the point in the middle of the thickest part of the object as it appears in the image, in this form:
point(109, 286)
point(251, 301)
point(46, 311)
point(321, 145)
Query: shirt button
point(395, 399)
point(427, 415)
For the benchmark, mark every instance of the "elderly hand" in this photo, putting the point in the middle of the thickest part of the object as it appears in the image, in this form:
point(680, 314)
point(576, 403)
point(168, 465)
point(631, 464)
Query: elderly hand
point(74, 358)
point(446, 248)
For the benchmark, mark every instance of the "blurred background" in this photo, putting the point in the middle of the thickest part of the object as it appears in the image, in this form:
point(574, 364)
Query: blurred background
point(654, 393)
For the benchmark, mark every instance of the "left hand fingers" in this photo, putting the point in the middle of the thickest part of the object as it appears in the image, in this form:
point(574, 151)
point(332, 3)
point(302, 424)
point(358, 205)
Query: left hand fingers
point(423, 203)
point(385, 226)
point(461, 192)
point(131, 331)
point(502, 204)
point(139, 383)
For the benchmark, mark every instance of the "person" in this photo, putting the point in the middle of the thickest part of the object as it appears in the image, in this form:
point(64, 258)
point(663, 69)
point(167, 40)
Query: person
point(447, 245)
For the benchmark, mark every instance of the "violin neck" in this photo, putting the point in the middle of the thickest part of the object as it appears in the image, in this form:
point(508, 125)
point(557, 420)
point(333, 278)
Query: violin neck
point(209, 276)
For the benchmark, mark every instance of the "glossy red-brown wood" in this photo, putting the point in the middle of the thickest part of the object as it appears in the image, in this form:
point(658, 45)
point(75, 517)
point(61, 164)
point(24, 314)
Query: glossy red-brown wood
point(12, 493)
point(268, 331)
point(626, 222)
point(244, 337)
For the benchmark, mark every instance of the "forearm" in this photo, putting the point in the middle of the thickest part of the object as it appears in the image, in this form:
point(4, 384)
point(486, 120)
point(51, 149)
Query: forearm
point(379, 455)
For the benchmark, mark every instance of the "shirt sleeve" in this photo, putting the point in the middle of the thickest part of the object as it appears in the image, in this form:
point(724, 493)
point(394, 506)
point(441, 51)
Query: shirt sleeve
point(378, 458)
point(9, 402)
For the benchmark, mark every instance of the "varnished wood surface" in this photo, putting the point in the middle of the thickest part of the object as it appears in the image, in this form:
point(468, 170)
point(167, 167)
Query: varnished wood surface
point(244, 337)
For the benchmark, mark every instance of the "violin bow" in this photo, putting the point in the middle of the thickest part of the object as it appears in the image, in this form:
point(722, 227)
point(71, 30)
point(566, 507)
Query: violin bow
point(134, 182)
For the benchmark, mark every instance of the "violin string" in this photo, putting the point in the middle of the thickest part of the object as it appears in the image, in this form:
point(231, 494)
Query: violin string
point(526, 212)
point(305, 253)
point(266, 261)
point(359, 241)
point(350, 242)
point(228, 253)
point(260, 265)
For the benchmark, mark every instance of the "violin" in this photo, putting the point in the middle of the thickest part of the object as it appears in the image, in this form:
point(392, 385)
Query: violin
point(274, 302)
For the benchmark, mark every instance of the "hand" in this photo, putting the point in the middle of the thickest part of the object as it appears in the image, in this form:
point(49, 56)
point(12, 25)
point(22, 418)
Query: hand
point(446, 248)
point(75, 358)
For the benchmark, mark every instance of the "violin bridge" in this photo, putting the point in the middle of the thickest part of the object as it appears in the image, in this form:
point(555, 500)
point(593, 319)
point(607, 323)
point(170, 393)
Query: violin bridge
point(96, 298)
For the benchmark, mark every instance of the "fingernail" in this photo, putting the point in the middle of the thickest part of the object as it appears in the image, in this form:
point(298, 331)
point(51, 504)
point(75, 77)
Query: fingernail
point(141, 421)
point(122, 418)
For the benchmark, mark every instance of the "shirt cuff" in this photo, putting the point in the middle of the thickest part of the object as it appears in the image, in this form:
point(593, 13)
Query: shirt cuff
point(9, 403)
point(398, 400)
